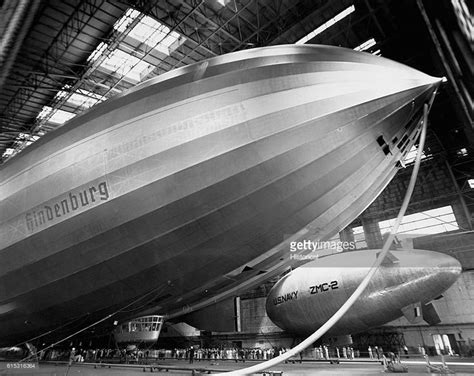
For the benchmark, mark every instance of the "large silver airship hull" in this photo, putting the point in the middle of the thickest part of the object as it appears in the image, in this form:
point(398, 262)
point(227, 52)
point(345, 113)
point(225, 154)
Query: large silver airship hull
point(305, 299)
point(176, 184)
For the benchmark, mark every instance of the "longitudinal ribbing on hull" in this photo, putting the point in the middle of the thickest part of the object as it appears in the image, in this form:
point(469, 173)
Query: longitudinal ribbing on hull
point(198, 176)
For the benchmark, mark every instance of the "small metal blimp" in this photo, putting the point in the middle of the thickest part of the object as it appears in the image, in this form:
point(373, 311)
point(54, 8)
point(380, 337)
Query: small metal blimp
point(405, 284)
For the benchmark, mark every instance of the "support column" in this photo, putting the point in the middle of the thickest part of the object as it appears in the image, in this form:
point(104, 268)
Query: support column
point(373, 236)
point(347, 235)
point(459, 211)
point(238, 320)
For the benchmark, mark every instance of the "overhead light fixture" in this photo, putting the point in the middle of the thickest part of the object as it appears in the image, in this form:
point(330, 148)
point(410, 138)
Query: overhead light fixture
point(366, 45)
point(471, 183)
point(326, 25)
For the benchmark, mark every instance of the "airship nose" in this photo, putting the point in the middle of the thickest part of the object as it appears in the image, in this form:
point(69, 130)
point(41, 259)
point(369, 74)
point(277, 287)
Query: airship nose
point(450, 266)
point(443, 269)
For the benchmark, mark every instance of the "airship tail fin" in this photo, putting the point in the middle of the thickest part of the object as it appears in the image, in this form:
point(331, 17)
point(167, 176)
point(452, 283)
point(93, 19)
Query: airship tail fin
point(430, 315)
point(390, 259)
point(416, 313)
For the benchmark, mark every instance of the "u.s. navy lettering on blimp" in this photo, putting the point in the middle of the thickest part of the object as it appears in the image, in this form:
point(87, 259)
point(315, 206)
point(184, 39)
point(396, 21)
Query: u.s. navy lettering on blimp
point(69, 203)
point(283, 298)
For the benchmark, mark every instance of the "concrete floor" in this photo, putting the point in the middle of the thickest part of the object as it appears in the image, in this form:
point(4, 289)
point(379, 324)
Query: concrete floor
point(415, 367)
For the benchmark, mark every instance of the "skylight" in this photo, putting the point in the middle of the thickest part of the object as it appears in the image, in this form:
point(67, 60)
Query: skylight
point(154, 34)
point(58, 117)
point(125, 21)
point(27, 137)
point(143, 29)
point(326, 25)
point(82, 98)
point(8, 152)
point(366, 45)
point(126, 65)
point(149, 31)
point(44, 112)
point(85, 98)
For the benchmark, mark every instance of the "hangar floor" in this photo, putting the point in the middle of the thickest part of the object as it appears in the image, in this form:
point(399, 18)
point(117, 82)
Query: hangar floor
point(415, 367)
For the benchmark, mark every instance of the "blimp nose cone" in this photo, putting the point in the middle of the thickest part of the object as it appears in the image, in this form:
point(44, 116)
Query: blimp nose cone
point(428, 273)
point(437, 260)
point(449, 268)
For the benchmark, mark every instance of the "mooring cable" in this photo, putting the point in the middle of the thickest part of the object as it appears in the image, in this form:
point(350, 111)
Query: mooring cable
point(373, 269)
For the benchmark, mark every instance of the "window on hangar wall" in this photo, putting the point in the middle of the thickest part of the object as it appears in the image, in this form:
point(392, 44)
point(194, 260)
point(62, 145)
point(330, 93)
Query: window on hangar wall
point(432, 221)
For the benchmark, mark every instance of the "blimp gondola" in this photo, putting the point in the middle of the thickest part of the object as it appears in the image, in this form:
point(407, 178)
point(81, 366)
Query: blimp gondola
point(145, 329)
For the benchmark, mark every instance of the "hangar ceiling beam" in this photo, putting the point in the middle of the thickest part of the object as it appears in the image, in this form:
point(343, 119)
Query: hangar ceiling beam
point(208, 15)
point(305, 25)
point(375, 19)
point(13, 31)
point(261, 30)
point(214, 32)
point(331, 39)
point(174, 22)
point(149, 9)
point(466, 108)
point(51, 60)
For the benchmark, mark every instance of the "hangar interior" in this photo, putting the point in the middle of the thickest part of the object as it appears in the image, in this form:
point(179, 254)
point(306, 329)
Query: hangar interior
point(62, 58)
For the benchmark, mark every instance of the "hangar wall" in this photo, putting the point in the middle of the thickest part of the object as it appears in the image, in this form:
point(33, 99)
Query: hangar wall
point(456, 311)
point(255, 318)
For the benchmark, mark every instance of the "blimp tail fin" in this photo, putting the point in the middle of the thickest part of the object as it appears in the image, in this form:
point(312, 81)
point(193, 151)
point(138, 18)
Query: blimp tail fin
point(416, 313)
point(389, 259)
point(430, 315)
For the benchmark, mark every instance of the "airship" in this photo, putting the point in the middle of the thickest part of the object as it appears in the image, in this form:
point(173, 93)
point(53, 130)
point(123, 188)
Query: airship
point(405, 284)
point(189, 186)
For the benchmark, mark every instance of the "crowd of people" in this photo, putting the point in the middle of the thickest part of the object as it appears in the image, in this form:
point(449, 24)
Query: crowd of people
point(197, 353)
point(237, 354)
point(375, 352)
